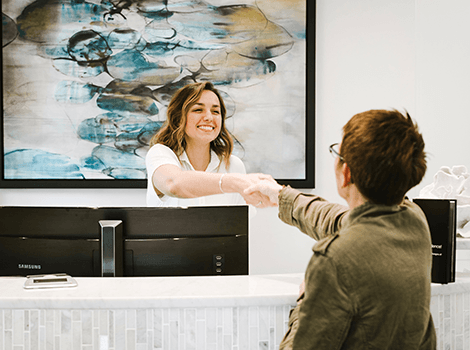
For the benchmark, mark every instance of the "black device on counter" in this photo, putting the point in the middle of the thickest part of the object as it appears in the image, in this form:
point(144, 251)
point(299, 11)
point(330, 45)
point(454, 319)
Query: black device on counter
point(441, 216)
point(135, 241)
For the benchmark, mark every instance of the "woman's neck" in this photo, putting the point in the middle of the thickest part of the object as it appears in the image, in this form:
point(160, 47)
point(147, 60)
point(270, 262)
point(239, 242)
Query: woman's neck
point(199, 156)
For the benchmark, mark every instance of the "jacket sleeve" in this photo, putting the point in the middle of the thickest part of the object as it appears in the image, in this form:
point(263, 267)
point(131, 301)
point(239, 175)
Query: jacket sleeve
point(311, 214)
point(326, 312)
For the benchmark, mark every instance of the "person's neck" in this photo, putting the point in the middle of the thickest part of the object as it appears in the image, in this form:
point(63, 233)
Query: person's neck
point(199, 156)
point(354, 198)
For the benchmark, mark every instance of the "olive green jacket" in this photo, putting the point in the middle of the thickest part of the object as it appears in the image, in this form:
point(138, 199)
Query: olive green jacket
point(368, 283)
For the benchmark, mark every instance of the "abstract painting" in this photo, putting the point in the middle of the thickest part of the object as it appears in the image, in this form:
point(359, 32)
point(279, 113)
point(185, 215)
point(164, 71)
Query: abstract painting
point(86, 84)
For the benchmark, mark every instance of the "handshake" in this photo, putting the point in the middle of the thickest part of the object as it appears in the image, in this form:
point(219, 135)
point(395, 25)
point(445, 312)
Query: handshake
point(260, 190)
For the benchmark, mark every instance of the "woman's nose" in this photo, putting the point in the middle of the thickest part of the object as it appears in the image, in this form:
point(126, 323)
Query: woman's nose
point(207, 114)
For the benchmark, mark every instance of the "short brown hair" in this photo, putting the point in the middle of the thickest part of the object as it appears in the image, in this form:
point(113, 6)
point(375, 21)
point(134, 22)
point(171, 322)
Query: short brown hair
point(385, 153)
point(172, 133)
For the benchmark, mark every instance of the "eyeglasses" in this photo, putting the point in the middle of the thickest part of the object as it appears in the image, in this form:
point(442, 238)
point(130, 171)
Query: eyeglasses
point(334, 152)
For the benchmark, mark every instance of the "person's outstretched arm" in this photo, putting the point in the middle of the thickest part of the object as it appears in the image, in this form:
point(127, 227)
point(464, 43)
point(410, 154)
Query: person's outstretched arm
point(172, 181)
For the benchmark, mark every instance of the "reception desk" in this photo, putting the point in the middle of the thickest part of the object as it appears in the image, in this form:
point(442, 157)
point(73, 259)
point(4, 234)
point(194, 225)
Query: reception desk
point(450, 308)
point(219, 312)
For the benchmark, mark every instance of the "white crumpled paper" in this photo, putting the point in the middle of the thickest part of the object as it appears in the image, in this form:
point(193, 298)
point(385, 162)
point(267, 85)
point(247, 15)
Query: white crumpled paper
point(453, 184)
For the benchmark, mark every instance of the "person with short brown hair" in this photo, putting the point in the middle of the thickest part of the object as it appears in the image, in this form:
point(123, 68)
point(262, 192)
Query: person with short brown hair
point(368, 283)
point(388, 162)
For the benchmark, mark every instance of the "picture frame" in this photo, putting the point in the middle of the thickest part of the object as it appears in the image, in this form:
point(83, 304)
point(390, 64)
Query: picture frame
point(72, 120)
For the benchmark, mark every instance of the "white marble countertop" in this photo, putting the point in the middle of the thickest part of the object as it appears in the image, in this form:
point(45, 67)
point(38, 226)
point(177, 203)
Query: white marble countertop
point(168, 292)
point(155, 292)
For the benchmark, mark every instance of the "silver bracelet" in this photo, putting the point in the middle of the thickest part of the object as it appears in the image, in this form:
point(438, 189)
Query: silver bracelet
point(220, 183)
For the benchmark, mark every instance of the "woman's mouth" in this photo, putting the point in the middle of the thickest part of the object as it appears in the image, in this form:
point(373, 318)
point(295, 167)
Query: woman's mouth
point(206, 127)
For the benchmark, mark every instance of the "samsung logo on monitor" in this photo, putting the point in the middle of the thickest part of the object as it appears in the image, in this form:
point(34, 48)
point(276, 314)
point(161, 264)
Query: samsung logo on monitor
point(29, 267)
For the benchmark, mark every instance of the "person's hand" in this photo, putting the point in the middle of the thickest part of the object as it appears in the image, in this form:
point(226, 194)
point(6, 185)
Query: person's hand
point(256, 198)
point(265, 186)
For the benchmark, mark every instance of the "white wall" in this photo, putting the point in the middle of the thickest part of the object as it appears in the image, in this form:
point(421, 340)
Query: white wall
point(411, 54)
point(443, 81)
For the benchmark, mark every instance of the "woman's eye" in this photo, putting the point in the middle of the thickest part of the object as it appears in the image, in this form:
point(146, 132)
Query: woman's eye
point(216, 112)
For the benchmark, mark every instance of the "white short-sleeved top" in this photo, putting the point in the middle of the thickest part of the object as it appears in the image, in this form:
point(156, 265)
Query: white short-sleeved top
point(159, 155)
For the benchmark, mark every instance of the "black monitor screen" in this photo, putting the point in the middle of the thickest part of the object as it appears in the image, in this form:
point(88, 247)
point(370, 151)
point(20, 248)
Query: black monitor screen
point(156, 241)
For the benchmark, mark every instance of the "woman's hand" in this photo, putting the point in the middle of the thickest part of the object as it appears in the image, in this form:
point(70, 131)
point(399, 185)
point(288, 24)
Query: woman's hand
point(255, 198)
point(267, 187)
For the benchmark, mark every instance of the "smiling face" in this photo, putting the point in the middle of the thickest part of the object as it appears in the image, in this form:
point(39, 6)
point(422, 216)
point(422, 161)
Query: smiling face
point(204, 119)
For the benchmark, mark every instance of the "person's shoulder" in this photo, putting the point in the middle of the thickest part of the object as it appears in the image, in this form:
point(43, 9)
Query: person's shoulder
point(160, 147)
point(348, 239)
point(160, 150)
point(236, 165)
point(414, 208)
point(234, 158)
point(160, 154)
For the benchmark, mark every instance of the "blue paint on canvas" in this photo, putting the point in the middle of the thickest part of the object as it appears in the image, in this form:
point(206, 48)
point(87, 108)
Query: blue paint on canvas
point(75, 92)
point(37, 164)
point(125, 173)
point(97, 130)
point(125, 39)
point(146, 133)
point(9, 31)
point(49, 20)
point(92, 163)
point(128, 142)
point(119, 164)
point(70, 68)
point(127, 75)
point(127, 133)
point(130, 123)
point(127, 98)
point(88, 46)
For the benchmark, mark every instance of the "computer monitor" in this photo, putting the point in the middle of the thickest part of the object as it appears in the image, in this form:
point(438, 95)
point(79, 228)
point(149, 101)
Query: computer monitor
point(192, 241)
